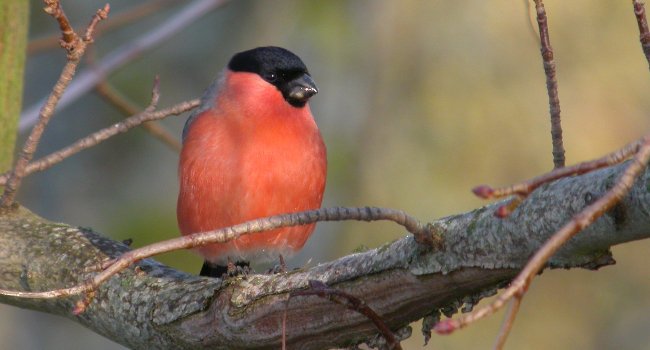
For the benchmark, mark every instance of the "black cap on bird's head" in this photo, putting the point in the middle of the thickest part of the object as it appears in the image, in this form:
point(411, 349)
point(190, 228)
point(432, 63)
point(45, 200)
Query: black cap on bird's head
point(279, 67)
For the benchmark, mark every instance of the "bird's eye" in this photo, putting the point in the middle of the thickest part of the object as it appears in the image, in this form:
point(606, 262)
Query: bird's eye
point(271, 77)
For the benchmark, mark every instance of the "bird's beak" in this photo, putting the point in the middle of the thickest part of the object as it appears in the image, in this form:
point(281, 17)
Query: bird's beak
point(302, 88)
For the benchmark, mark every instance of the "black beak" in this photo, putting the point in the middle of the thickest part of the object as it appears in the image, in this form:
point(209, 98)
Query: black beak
point(300, 90)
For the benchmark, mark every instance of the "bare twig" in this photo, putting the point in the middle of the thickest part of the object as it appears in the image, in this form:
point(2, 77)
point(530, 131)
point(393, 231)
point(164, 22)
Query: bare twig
point(581, 220)
point(90, 30)
point(82, 304)
point(508, 322)
point(117, 21)
point(102, 135)
point(109, 93)
point(87, 79)
point(68, 35)
point(525, 188)
point(76, 48)
point(128, 108)
point(155, 95)
point(353, 303)
point(284, 326)
point(644, 33)
point(551, 85)
point(422, 233)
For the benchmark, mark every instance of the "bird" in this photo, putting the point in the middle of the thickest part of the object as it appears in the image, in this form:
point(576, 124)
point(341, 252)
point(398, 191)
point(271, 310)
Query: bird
point(252, 149)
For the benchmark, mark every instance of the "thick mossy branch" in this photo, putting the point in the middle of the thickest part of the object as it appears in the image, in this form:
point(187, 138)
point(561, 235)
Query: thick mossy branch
point(153, 306)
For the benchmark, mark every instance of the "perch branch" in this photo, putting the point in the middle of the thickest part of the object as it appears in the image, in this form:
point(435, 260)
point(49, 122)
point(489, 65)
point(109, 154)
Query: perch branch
point(422, 233)
point(353, 303)
point(580, 221)
point(403, 280)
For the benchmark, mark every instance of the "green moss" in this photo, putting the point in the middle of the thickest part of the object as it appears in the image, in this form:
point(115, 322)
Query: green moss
point(125, 282)
point(385, 247)
point(360, 249)
point(472, 225)
point(611, 180)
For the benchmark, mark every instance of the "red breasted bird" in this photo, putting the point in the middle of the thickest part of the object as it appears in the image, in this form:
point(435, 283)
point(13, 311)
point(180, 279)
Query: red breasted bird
point(252, 149)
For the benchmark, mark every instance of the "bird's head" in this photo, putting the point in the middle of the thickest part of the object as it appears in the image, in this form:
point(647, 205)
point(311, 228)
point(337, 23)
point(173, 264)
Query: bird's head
point(280, 68)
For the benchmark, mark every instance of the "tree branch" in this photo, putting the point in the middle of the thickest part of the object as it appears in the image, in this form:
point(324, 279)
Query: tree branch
point(551, 85)
point(153, 306)
point(578, 222)
point(102, 135)
point(644, 32)
point(113, 96)
point(76, 47)
point(88, 78)
point(118, 20)
point(422, 234)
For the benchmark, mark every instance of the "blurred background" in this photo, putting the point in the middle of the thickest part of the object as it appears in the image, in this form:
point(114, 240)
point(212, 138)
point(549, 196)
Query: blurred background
point(419, 101)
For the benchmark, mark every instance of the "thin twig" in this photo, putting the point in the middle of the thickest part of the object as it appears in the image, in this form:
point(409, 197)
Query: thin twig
point(581, 220)
point(109, 93)
point(102, 135)
point(284, 325)
point(525, 188)
point(118, 20)
point(155, 95)
point(76, 49)
point(86, 80)
point(422, 233)
point(69, 37)
point(128, 108)
point(551, 85)
point(508, 322)
point(644, 33)
point(90, 30)
point(353, 303)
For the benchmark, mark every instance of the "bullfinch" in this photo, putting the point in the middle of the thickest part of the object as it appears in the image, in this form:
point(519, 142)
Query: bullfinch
point(252, 149)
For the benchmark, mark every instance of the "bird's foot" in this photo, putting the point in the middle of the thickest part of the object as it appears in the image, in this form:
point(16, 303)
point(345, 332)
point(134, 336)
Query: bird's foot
point(232, 269)
point(239, 268)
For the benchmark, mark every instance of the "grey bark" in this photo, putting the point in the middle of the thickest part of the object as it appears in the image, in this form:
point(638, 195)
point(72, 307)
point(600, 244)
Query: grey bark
point(158, 307)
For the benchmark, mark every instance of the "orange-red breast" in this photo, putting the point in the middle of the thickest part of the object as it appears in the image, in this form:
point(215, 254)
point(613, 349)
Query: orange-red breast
point(252, 149)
